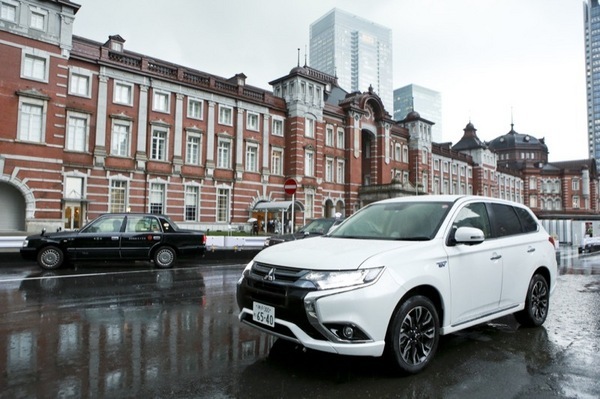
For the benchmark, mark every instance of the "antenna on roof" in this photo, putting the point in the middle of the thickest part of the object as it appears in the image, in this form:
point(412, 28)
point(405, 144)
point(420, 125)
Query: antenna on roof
point(305, 64)
point(512, 122)
point(298, 56)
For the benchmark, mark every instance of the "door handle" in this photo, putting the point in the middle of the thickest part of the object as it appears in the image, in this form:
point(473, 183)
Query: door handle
point(114, 238)
point(530, 250)
point(496, 257)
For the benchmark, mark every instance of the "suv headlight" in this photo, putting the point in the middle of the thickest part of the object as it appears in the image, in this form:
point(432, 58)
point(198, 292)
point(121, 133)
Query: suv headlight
point(246, 272)
point(327, 280)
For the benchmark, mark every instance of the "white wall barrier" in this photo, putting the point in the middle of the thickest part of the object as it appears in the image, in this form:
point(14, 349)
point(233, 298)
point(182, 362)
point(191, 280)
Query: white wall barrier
point(234, 242)
point(11, 241)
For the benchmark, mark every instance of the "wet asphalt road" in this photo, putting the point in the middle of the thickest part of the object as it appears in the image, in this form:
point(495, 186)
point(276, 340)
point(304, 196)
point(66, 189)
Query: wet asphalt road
point(132, 331)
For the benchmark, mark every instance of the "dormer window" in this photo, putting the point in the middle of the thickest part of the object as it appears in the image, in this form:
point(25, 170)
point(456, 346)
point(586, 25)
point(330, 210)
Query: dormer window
point(115, 43)
point(240, 79)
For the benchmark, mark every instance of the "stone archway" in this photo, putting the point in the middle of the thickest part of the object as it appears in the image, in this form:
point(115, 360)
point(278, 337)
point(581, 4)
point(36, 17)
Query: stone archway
point(13, 212)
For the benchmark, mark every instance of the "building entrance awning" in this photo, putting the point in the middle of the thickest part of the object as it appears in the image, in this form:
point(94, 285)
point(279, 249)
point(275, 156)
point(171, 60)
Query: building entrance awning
point(273, 206)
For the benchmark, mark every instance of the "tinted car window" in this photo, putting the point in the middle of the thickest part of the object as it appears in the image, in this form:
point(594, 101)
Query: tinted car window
point(506, 221)
point(527, 220)
point(474, 215)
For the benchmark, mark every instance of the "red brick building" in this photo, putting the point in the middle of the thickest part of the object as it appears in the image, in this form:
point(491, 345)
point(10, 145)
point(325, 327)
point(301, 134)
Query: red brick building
point(88, 128)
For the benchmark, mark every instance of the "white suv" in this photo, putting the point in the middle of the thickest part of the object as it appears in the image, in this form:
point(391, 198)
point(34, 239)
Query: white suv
point(401, 272)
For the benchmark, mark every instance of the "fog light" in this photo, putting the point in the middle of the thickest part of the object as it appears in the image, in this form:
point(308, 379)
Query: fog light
point(348, 332)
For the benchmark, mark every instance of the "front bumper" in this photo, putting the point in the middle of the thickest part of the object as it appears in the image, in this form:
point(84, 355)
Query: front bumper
point(367, 309)
point(28, 253)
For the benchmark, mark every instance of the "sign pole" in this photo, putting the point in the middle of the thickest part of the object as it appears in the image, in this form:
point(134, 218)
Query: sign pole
point(293, 215)
point(290, 187)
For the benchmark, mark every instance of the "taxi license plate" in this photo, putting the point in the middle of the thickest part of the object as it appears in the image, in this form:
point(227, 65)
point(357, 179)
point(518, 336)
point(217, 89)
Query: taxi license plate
point(263, 314)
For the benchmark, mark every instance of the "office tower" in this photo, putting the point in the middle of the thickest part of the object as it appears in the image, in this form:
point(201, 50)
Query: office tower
point(427, 102)
point(357, 51)
point(591, 11)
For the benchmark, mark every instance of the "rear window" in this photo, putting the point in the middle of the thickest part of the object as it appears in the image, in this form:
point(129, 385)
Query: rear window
point(511, 220)
point(528, 222)
point(506, 221)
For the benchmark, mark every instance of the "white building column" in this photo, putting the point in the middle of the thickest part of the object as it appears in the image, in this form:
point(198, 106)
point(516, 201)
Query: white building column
point(101, 110)
point(210, 140)
point(239, 145)
point(266, 160)
point(178, 139)
point(142, 129)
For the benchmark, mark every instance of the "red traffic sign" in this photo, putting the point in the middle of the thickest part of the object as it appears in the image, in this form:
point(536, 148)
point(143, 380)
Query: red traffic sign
point(290, 186)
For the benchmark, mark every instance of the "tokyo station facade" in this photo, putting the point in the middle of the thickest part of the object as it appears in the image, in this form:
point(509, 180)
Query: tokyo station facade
point(88, 128)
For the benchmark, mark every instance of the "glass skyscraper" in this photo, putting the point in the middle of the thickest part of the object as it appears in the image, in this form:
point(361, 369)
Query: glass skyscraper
point(591, 13)
point(427, 102)
point(357, 51)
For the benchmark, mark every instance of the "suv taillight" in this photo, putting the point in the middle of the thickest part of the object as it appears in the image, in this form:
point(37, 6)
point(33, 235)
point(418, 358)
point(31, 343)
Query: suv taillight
point(551, 239)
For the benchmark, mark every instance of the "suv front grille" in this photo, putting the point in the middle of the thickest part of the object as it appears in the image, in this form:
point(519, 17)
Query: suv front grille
point(272, 284)
point(281, 288)
point(280, 274)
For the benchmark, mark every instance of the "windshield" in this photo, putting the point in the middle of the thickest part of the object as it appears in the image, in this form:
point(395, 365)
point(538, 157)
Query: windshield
point(395, 221)
point(317, 226)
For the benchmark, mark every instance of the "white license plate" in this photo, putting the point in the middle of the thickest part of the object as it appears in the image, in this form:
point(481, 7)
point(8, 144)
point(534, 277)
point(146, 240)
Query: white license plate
point(263, 314)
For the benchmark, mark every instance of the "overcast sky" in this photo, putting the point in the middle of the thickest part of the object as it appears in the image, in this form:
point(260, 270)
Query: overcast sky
point(492, 60)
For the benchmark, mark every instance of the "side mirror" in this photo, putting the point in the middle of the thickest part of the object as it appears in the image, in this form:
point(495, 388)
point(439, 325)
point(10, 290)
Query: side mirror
point(468, 236)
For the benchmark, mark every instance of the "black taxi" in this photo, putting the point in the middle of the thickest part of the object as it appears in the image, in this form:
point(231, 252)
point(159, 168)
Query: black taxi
point(116, 237)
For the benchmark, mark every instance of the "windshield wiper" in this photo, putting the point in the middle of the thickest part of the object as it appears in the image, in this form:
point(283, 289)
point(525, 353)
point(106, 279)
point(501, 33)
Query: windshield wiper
point(415, 238)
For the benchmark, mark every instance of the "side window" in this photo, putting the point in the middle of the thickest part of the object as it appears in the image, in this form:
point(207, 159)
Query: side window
point(506, 221)
point(142, 224)
point(527, 220)
point(110, 224)
point(474, 215)
point(154, 225)
point(134, 224)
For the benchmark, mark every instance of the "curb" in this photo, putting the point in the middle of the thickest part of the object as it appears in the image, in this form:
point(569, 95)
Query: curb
point(223, 254)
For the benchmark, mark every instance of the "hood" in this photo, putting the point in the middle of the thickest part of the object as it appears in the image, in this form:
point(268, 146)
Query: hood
point(292, 237)
point(328, 253)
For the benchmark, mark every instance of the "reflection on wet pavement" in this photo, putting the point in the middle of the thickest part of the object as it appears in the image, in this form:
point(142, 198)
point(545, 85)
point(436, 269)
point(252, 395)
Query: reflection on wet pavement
point(571, 262)
point(120, 334)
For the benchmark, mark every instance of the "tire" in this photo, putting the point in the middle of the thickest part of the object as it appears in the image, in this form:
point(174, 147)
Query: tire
point(165, 257)
point(536, 304)
point(413, 335)
point(50, 258)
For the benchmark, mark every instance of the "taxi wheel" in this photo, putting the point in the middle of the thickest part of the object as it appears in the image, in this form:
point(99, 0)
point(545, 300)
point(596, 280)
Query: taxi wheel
point(165, 257)
point(50, 258)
